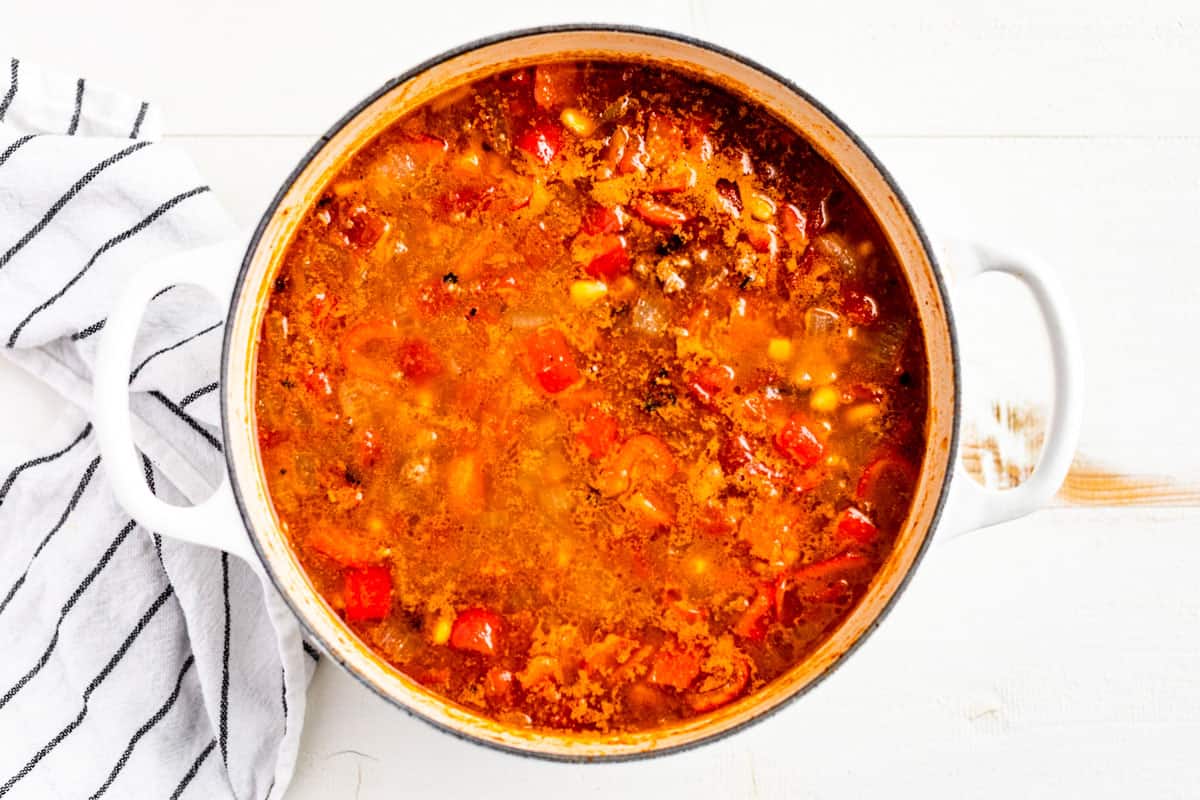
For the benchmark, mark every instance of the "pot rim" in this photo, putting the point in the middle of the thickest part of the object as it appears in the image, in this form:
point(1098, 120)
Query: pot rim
point(520, 33)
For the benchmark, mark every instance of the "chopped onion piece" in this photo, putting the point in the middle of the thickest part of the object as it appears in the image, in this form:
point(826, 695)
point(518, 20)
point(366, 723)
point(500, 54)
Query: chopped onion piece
point(820, 321)
point(649, 316)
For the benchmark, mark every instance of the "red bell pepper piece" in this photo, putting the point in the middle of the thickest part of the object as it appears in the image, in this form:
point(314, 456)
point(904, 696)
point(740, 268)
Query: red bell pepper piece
point(477, 630)
point(542, 141)
point(659, 214)
point(368, 593)
point(612, 261)
point(551, 360)
point(710, 381)
point(797, 441)
point(601, 219)
point(855, 526)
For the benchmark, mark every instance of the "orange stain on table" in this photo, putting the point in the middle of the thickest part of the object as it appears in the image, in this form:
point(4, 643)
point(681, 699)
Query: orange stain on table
point(1002, 451)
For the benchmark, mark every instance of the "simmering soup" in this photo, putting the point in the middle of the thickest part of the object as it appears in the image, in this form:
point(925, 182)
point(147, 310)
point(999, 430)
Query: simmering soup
point(590, 396)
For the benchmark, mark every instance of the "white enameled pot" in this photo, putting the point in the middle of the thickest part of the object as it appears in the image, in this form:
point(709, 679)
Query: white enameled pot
point(239, 517)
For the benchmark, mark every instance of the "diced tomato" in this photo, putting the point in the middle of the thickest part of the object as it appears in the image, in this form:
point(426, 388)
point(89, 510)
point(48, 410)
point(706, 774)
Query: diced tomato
point(856, 527)
point(674, 667)
point(678, 178)
point(762, 238)
point(860, 307)
point(551, 360)
point(736, 452)
point(363, 227)
point(612, 261)
point(797, 441)
point(710, 381)
point(793, 225)
point(753, 622)
point(659, 214)
point(498, 685)
point(602, 219)
point(477, 630)
point(348, 548)
point(599, 433)
point(368, 593)
point(554, 85)
point(542, 141)
point(725, 693)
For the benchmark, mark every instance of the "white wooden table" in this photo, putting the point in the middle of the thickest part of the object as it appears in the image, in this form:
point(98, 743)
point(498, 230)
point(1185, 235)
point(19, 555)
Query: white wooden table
point(1055, 656)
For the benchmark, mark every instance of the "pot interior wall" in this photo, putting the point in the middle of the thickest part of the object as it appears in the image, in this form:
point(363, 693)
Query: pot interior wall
point(263, 260)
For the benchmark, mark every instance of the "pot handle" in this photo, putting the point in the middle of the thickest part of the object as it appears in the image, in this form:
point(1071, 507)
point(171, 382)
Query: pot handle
point(213, 522)
point(970, 505)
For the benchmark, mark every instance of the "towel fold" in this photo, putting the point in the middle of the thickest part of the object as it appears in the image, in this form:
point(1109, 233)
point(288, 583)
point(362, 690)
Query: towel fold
point(134, 665)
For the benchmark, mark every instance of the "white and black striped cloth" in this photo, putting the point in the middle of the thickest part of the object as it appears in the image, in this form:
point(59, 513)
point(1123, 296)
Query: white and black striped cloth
point(132, 665)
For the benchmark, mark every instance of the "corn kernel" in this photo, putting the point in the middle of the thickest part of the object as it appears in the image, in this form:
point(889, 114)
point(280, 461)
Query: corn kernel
point(779, 349)
point(586, 293)
point(441, 631)
point(824, 399)
point(579, 123)
point(861, 414)
point(761, 207)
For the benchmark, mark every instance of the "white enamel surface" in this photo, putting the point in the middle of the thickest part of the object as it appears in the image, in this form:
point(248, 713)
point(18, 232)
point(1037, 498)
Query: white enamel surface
point(214, 522)
point(972, 506)
point(1058, 654)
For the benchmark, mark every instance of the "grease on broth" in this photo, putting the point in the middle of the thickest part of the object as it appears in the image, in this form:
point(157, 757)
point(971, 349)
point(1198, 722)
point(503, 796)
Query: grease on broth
point(591, 397)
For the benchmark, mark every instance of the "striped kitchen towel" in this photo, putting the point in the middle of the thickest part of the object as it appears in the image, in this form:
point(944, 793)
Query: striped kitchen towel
point(132, 665)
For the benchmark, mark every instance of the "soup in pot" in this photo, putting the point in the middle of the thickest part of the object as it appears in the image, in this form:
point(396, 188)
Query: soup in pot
point(590, 396)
